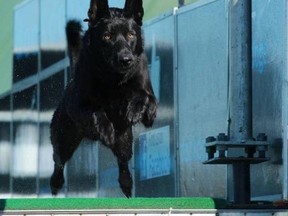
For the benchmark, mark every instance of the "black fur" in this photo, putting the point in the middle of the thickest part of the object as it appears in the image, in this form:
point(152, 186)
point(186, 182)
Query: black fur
point(74, 40)
point(111, 90)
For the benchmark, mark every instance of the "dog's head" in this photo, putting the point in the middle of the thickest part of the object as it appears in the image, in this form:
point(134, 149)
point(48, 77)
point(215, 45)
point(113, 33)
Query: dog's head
point(115, 34)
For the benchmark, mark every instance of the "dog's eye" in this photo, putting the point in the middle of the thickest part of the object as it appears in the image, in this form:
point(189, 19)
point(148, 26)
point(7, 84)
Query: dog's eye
point(107, 37)
point(130, 36)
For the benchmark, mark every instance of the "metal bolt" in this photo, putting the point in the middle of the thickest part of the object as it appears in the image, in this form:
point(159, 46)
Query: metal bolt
point(262, 137)
point(250, 151)
point(262, 154)
point(210, 150)
point(222, 137)
point(210, 139)
point(222, 149)
point(262, 151)
point(222, 154)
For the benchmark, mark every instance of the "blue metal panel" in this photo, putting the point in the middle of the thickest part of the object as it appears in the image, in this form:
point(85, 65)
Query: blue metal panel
point(158, 156)
point(81, 174)
point(52, 34)
point(269, 74)
point(26, 40)
point(202, 77)
point(107, 178)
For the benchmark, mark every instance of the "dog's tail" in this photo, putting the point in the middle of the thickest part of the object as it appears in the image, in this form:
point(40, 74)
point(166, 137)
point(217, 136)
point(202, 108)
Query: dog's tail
point(74, 40)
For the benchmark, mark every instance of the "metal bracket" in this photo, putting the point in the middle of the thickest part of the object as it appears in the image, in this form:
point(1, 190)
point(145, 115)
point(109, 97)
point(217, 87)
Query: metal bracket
point(240, 165)
point(221, 144)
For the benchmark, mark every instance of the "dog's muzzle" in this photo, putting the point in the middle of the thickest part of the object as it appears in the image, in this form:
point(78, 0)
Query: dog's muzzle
point(125, 58)
point(125, 61)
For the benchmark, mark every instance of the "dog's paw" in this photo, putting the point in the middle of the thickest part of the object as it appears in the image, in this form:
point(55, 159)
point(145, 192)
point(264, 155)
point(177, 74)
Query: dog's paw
point(104, 128)
point(150, 113)
point(56, 182)
point(126, 183)
point(136, 109)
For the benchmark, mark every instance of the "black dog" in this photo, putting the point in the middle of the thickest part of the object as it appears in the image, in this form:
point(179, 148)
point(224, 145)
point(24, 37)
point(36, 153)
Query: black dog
point(111, 90)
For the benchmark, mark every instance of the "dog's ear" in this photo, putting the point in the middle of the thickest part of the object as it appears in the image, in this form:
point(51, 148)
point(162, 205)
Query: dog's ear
point(98, 9)
point(134, 9)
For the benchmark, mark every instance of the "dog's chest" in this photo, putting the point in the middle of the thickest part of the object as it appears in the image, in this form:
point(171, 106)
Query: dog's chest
point(114, 103)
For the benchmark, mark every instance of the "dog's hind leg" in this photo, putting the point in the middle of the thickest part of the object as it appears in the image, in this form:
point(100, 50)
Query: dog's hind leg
point(65, 139)
point(123, 152)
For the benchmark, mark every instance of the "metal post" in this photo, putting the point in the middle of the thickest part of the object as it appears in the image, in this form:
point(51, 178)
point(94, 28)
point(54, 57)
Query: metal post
point(241, 183)
point(240, 70)
point(240, 134)
point(240, 128)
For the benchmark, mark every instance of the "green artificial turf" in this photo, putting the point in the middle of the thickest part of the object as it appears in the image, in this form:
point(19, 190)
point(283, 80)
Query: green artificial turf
point(109, 203)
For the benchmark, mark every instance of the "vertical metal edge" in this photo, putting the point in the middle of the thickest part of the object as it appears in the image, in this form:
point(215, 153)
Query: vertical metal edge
point(97, 170)
point(240, 45)
point(65, 82)
point(229, 184)
point(176, 105)
point(12, 146)
point(38, 100)
point(285, 113)
point(131, 162)
point(228, 167)
point(240, 93)
point(11, 123)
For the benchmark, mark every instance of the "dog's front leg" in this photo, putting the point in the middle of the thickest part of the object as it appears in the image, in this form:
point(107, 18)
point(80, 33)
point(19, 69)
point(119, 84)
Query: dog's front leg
point(104, 128)
point(150, 112)
point(123, 152)
point(95, 124)
point(136, 109)
point(142, 107)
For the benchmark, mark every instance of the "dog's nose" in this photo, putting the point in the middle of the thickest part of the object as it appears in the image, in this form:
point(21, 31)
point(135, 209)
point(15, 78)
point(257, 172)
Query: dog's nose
point(125, 60)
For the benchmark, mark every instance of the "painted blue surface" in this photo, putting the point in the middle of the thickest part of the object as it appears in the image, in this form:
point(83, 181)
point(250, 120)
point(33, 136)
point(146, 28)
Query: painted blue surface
point(260, 57)
point(202, 89)
point(26, 27)
point(269, 78)
point(155, 153)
